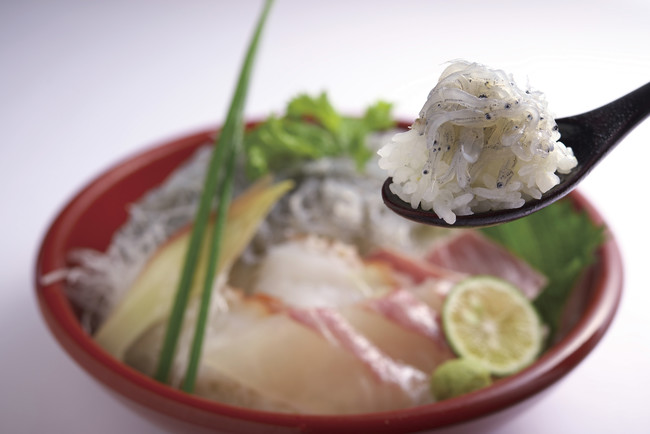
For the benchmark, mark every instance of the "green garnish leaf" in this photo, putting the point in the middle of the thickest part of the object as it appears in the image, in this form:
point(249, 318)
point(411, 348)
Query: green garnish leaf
point(558, 241)
point(218, 183)
point(378, 116)
point(317, 108)
point(312, 129)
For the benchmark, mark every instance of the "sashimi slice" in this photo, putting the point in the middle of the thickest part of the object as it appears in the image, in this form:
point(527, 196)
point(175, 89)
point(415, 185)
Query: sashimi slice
point(337, 330)
point(313, 362)
point(473, 254)
point(231, 313)
point(312, 271)
point(402, 327)
point(433, 292)
point(406, 310)
point(417, 269)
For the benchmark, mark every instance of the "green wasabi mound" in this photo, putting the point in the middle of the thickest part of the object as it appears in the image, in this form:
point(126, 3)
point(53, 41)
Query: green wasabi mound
point(457, 377)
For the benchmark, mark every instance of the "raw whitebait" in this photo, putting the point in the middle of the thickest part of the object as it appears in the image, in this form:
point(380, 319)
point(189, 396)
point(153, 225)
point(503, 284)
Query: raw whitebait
point(480, 143)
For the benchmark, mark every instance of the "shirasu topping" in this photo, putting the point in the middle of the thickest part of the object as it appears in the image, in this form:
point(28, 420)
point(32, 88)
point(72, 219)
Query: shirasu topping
point(480, 143)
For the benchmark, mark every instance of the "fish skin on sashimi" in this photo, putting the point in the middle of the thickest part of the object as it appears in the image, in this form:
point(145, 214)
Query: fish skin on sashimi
point(403, 327)
point(471, 253)
point(404, 308)
point(334, 327)
point(416, 268)
point(460, 256)
point(289, 362)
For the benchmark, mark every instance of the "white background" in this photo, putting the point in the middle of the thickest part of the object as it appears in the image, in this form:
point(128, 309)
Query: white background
point(84, 84)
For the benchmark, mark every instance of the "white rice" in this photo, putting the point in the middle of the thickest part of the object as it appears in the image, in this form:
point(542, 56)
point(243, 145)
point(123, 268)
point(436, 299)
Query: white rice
point(480, 143)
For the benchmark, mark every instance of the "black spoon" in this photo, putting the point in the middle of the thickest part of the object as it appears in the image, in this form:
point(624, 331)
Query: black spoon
point(591, 135)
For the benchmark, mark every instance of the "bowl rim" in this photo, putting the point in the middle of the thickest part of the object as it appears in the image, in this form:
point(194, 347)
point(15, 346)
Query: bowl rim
point(62, 322)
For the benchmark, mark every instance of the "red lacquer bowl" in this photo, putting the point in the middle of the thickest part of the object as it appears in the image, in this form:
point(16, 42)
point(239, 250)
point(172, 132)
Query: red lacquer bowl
point(92, 216)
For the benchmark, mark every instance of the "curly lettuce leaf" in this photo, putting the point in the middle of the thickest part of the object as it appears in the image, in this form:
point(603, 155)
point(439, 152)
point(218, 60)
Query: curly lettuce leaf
point(559, 242)
point(312, 129)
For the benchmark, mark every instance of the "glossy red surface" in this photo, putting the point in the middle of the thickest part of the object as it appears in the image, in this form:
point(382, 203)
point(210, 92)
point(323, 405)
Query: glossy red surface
point(93, 215)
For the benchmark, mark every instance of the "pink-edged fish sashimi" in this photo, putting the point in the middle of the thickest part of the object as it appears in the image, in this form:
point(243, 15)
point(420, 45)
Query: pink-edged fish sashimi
point(371, 356)
point(313, 361)
point(471, 253)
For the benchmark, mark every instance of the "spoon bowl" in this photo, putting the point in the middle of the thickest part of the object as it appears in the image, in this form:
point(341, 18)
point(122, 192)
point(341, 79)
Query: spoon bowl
point(591, 136)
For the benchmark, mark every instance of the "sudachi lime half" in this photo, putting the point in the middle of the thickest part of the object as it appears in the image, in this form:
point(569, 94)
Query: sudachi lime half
point(489, 321)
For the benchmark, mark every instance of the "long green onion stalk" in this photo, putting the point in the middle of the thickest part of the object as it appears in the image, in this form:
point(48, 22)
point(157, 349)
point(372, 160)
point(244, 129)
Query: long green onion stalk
point(218, 183)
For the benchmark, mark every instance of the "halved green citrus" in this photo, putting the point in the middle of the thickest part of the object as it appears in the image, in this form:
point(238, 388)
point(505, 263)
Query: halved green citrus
point(491, 322)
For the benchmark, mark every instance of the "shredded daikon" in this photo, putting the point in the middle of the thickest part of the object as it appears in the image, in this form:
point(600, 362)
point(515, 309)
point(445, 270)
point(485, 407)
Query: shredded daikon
point(480, 143)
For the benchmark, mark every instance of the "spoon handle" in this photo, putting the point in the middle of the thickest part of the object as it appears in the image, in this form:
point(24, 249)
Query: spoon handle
point(600, 130)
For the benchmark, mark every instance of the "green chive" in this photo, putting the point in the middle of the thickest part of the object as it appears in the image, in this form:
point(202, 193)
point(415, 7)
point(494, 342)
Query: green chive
point(223, 157)
point(213, 259)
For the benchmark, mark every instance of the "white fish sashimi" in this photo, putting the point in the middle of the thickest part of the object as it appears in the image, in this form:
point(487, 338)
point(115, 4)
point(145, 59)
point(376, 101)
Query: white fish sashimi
point(403, 327)
point(335, 328)
point(403, 308)
point(231, 313)
point(465, 254)
point(312, 271)
point(372, 356)
point(415, 269)
point(472, 253)
point(288, 360)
